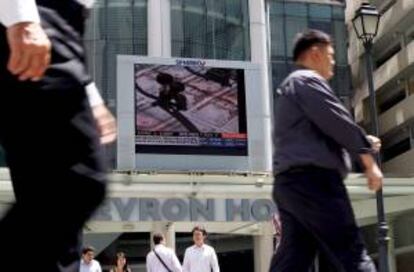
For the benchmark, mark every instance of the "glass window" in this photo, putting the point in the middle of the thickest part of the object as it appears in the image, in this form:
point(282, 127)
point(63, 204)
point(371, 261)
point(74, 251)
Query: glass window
point(234, 10)
point(320, 11)
point(338, 13)
point(289, 18)
point(217, 7)
point(177, 32)
point(325, 26)
point(294, 25)
point(340, 42)
point(175, 3)
point(215, 29)
point(194, 33)
point(276, 8)
point(320, 17)
point(194, 3)
point(114, 27)
point(296, 9)
point(278, 44)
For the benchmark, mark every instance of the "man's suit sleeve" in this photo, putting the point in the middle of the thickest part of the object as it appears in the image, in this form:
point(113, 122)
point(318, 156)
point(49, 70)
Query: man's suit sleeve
point(17, 11)
point(326, 111)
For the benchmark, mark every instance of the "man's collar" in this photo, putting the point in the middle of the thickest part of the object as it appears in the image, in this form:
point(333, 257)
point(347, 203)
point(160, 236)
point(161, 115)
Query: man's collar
point(298, 66)
point(201, 247)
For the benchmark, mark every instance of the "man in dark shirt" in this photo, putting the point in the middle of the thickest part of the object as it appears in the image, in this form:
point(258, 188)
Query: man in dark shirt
point(312, 130)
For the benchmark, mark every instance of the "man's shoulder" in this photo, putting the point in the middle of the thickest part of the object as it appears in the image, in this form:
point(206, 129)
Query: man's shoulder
point(297, 79)
point(304, 75)
point(161, 249)
point(301, 80)
point(167, 249)
point(208, 247)
point(96, 263)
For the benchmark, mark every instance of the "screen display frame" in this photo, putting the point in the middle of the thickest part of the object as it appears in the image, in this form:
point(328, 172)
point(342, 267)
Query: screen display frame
point(209, 120)
point(258, 119)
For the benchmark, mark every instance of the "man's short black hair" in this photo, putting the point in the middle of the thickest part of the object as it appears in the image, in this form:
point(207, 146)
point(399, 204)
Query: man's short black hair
point(87, 249)
point(307, 39)
point(201, 229)
point(157, 238)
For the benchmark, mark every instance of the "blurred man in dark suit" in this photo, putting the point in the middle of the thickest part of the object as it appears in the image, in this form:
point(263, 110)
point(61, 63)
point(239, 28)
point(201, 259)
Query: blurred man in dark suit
point(52, 127)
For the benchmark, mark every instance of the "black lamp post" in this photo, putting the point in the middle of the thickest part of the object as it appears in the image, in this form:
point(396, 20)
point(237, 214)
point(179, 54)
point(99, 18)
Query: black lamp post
point(366, 23)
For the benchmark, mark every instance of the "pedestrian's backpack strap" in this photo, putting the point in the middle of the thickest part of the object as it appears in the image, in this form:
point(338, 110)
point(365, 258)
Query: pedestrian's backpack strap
point(159, 258)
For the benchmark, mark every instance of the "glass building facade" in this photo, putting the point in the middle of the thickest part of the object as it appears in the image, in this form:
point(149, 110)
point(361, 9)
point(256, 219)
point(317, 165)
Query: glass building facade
point(212, 29)
point(114, 27)
point(287, 18)
point(215, 29)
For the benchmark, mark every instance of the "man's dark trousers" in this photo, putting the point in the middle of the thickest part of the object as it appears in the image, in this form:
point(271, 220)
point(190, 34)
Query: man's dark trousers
point(53, 152)
point(317, 216)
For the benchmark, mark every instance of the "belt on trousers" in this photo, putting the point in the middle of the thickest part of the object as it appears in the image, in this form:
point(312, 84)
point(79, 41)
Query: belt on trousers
point(305, 168)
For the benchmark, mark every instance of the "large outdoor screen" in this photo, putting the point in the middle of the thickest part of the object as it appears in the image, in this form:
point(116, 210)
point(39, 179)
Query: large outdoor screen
point(192, 109)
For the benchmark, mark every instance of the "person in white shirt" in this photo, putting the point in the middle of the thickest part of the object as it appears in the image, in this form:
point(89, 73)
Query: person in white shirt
point(88, 263)
point(162, 258)
point(51, 135)
point(200, 257)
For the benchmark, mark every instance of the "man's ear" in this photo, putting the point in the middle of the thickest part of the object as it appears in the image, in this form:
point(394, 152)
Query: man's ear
point(314, 53)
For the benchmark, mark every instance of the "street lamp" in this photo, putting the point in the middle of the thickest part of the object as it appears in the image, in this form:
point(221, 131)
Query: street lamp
point(366, 23)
